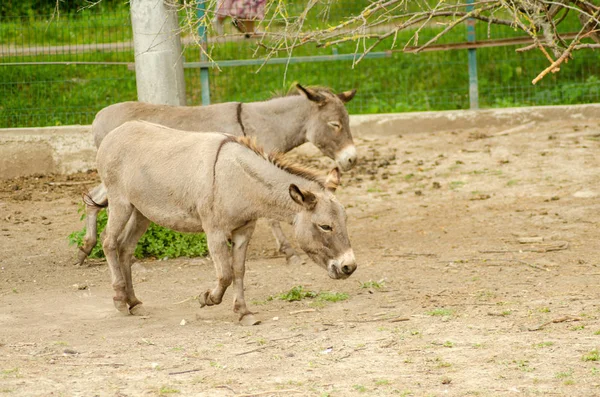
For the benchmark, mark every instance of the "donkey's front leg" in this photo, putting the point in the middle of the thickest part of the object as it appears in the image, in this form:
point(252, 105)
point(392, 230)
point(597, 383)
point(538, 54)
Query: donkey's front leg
point(240, 239)
point(284, 246)
point(221, 255)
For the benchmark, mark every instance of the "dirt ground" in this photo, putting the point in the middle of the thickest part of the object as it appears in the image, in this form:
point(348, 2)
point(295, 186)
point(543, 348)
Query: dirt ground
point(478, 276)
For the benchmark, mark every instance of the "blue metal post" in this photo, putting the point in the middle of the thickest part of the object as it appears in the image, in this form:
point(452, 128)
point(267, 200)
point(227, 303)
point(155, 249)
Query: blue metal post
point(204, 81)
point(473, 86)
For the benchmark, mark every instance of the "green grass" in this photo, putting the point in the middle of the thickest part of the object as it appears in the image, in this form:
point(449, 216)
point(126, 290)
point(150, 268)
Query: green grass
point(168, 390)
point(157, 242)
point(332, 296)
point(564, 374)
point(59, 94)
point(298, 293)
point(441, 312)
point(543, 345)
point(373, 284)
point(84, 27)
point(10, 371)
point(593, 355)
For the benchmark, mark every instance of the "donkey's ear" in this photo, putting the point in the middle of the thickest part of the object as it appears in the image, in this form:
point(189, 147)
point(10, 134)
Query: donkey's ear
point(303, 197)
point(333, 179)
point(311, 94)
point(346, 96)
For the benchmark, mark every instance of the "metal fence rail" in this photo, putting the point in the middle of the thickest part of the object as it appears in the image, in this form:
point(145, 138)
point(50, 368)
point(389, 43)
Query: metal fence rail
point(64, 71)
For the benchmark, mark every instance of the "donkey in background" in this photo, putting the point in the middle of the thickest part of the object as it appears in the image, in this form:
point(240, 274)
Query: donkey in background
point(219, 184)
point(315, 115)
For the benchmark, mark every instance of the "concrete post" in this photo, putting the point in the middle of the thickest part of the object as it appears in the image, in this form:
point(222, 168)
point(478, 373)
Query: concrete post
point(158, 55)
point(473, 83)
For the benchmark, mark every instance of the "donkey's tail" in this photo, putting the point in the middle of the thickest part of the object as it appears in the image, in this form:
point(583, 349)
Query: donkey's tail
point(89, 201)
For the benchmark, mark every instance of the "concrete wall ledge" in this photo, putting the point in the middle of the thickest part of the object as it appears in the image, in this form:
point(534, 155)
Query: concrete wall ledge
point(69, 149)
point(492, 119)
point(45, 150)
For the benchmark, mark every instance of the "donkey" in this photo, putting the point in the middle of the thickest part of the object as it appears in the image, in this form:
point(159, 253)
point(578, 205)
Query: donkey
point(315, 115)
point(219, 184)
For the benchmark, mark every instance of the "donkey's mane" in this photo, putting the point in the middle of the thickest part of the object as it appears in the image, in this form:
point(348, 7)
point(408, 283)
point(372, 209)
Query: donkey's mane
point(279, 160)
point(293, 91)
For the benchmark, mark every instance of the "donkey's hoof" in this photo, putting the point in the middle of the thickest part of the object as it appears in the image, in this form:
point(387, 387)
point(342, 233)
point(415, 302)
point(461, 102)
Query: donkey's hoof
point(204, 299)
point(295, 260)
point(138, 310)
point(248, 320)
point(81, 257)
point(121, 306)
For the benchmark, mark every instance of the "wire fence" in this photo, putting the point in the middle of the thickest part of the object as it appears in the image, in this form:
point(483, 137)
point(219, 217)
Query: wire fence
point(63, 71)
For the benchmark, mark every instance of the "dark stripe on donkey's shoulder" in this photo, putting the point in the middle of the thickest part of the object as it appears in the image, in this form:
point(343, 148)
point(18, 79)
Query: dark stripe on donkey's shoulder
point(228, 139)
point(239, 118)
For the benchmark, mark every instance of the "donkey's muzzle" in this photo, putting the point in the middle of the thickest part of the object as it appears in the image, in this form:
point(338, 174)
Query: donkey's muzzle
point(343, 266)
point(346, 158)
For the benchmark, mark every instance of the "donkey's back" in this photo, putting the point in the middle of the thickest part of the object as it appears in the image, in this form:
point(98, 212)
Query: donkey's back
point(186, 118)
point(154, 167)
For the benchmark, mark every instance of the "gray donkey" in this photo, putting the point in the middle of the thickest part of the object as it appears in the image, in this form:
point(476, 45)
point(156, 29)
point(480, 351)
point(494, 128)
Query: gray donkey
point(219, 184)
point(316, 115)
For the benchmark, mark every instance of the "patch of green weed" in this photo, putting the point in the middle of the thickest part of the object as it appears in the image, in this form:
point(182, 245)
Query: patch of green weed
point(373, 284)
point(564, 374)
point(157, 242)
point(168, 390)
point(440, 312)
point(593, 355)
point(543, 344)
point(298, 293)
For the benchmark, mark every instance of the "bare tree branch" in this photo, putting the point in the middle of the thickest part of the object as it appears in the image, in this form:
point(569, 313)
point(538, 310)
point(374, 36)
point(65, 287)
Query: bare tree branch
point(381, 22)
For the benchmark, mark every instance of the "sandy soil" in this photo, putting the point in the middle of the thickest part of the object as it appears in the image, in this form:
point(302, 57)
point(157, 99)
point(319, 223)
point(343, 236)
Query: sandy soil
point(484, 247)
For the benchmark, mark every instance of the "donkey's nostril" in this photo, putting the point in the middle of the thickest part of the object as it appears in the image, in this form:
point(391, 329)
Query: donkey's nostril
point(347, 269)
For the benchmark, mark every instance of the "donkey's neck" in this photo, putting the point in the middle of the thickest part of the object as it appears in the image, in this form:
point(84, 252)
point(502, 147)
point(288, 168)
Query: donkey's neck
point(267, 193)
point(278, 124)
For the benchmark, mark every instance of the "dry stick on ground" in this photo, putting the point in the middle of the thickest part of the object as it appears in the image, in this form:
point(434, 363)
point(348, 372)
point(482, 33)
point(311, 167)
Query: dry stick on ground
point(226, 387)
point(86, 364)
point(303, 311)
point(262, 393)
point(561, 245)
point(252, 351)
point(74, 183)
point(287, 337)
point(515, 129)
point(373, 320)
point(409, 254)
point(534, 266)
point(557, 320)
point(185, 372)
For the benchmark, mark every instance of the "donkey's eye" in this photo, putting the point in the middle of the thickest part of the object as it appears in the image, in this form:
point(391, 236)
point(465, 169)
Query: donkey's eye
point(335, 124)
point(325, 228)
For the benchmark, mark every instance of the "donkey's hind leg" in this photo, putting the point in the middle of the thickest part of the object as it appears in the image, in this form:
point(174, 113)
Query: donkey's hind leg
point(118, 215)
point(95, 200)
point(284, 246)
point(135, 228)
